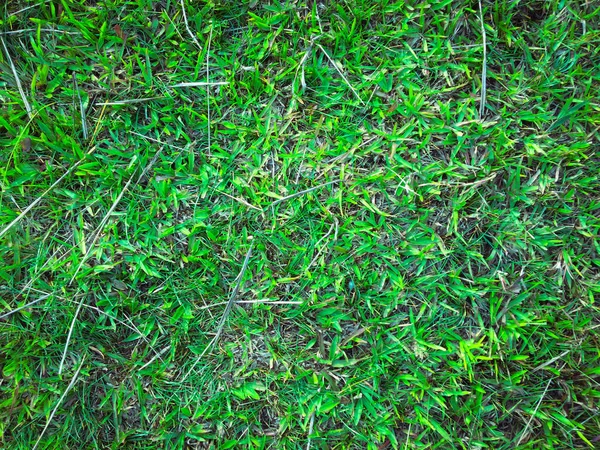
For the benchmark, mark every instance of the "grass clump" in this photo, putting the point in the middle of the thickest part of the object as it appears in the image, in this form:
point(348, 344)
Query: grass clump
point(299, 224)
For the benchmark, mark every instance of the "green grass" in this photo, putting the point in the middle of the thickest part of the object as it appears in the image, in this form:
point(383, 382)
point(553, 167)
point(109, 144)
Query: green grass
point(419, 276)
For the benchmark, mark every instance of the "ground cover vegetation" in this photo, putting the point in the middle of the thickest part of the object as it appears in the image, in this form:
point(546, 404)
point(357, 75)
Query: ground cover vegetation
point(299, 224)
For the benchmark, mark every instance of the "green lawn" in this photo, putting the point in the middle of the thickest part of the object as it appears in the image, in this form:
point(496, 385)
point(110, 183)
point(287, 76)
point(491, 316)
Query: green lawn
point(345, 224)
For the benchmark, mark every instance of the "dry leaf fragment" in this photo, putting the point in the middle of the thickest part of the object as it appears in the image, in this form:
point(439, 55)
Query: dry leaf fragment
point(119, 32)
